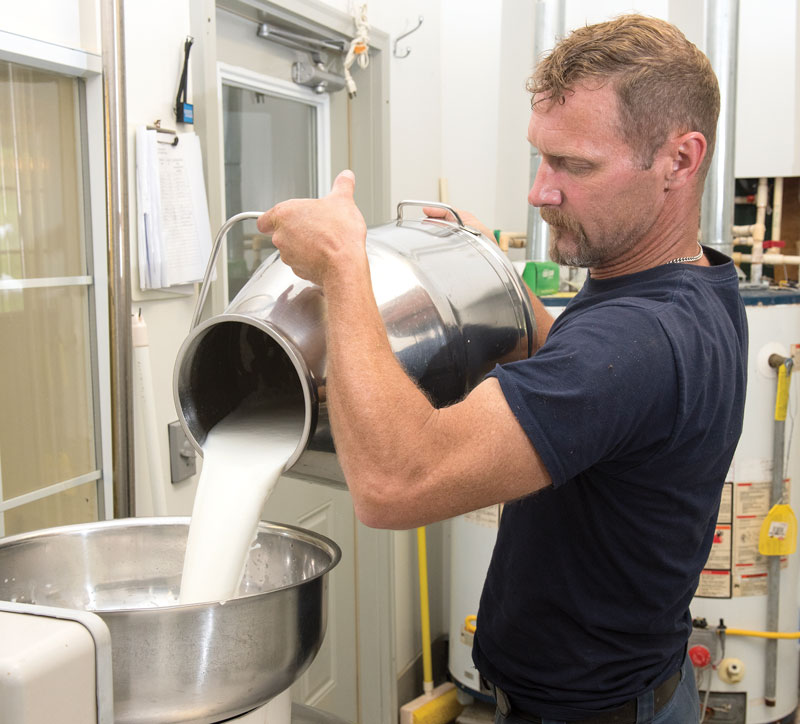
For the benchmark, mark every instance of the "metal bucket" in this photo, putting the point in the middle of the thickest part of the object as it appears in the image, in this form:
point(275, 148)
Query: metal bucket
point(172, 663)
point(452, 304)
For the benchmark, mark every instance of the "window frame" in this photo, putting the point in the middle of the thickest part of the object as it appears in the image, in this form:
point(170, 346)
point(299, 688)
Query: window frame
point(238, 77)
point(87, 67)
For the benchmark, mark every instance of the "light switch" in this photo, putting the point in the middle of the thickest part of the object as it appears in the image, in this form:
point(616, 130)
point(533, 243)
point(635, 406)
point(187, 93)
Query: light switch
point(182, 456)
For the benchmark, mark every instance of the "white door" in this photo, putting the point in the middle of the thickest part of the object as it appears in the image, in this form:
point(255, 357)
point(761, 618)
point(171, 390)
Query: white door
point(275, 146)
point(330, 682)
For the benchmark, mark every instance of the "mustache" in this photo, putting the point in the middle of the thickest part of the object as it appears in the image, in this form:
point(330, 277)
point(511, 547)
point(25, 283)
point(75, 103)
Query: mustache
point(556, 217)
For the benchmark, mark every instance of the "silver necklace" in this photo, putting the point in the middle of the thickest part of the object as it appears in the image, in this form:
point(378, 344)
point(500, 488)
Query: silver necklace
point(682, 259)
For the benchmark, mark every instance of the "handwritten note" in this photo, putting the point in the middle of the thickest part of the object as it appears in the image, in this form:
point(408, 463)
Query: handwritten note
point(174, 229)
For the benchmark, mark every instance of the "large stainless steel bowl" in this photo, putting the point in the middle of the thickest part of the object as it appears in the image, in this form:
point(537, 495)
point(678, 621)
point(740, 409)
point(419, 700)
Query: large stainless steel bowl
point(199, 663)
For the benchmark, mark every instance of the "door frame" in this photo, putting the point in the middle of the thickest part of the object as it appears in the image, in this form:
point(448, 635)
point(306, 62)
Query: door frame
point(375, 579)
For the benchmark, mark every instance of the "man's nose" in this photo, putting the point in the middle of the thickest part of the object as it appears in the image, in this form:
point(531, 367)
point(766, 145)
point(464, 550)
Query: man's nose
point(544, 192)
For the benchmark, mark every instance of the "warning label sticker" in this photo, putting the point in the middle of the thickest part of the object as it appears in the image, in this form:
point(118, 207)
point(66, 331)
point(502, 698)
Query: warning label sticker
point(735, 567)
point(714, 584)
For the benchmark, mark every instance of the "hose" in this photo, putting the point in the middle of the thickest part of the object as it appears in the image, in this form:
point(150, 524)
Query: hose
point(763, 634)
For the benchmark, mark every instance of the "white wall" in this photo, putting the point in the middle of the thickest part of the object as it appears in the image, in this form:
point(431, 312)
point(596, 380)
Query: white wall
point(470, 49)
point(154, 35)
point(415, 99)
point(768, 90)
point(71, 23)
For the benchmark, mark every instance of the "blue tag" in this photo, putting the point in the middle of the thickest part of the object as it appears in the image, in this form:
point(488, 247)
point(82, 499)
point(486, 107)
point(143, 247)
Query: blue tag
point(185, 113)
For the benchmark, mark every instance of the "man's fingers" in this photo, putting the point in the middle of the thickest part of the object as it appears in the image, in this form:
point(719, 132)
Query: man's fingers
point(267, 222)
point(434, 212)
point(344, 184)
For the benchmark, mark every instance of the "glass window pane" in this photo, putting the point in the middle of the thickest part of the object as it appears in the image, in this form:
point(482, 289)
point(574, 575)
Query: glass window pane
point(46, 425)
point(76, 505)
point(41, 184)
point(270, 156)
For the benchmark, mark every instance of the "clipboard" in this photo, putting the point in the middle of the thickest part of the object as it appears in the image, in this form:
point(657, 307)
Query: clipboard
point(174, 233)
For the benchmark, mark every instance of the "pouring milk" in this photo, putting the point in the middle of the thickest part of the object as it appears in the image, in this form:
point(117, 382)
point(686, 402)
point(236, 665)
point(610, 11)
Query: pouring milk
point(243, 456)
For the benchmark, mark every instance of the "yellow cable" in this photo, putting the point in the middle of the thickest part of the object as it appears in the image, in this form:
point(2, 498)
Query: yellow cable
point(471, 623)
point(422, 554)
point(762, 634)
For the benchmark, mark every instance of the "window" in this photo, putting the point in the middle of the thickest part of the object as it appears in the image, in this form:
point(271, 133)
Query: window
point(50, 451)
point(275, 149)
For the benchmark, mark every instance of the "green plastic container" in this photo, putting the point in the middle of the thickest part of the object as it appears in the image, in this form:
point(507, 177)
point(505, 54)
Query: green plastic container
point(541, 277)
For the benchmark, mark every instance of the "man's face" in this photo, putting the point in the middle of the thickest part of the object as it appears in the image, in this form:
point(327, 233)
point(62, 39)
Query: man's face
point(590, 188)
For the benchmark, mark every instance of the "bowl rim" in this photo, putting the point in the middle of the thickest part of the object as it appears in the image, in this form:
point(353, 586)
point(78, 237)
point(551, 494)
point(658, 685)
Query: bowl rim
point(283, 529)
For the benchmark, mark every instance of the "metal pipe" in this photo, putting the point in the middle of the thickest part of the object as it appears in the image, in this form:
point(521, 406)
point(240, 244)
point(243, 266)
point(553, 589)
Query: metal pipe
point(773, 616)
point(770, 258)
point(759, 231)
point(296, 41)
point(119, 282)
point(774, 562)
point(547, 29)
point(747, 230)
point(716, 218)
point(777, 209)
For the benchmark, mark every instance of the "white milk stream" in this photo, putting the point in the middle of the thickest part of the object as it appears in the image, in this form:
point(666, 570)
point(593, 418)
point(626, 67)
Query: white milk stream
point(243, 456)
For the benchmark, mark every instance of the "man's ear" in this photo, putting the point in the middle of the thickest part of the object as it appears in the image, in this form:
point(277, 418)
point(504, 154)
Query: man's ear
point(687, 152)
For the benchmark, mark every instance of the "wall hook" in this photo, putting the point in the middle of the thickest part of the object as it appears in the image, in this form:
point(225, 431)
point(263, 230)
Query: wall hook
point(405, 35)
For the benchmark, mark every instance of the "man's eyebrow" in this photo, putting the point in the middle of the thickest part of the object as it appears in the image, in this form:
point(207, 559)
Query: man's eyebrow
point(571, 156)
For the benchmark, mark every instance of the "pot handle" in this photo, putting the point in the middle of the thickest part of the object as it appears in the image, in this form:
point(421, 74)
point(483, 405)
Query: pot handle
point(436, 205)
point(212, 259)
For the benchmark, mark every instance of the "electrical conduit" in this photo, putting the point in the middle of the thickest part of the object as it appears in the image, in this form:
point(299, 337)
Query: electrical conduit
point(149, 426)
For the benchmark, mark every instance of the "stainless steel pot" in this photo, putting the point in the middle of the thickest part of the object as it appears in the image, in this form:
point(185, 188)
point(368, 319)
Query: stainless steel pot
point(452, 304)
point(172, 663)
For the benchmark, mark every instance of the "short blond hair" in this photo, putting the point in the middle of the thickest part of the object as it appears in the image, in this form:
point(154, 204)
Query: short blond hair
point(664, 84)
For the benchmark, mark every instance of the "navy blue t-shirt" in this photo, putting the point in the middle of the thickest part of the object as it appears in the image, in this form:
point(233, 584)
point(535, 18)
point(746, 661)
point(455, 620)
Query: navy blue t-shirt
point(635, 405)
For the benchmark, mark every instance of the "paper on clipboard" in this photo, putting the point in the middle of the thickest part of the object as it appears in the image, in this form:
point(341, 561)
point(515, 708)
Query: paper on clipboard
point(174, 229)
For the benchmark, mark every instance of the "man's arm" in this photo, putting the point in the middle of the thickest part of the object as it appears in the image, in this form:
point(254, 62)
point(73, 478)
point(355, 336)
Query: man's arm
point(406, 463)
point(544, 320)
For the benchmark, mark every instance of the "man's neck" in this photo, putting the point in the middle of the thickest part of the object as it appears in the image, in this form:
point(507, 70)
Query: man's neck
point(673, 236)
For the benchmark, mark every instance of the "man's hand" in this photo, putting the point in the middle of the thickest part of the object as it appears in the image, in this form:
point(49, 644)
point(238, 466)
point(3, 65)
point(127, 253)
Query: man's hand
point(435, 212)
point(318, 236)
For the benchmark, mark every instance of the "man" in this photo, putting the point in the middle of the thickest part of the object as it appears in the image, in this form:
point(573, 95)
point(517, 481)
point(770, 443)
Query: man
point(623, 423)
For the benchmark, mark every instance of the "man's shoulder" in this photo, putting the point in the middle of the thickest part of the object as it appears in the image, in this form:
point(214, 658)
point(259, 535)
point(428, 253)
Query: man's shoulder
point(621, 315)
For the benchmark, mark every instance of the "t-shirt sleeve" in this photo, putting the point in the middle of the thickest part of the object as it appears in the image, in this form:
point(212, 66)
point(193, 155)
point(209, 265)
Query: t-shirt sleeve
point(602, 388)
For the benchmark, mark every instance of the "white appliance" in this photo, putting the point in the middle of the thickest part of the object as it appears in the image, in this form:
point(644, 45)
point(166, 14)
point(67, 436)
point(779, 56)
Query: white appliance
point(55, 666)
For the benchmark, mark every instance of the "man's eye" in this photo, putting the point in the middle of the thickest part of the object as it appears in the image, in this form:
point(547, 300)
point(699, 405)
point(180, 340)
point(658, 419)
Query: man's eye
point(578, 169)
